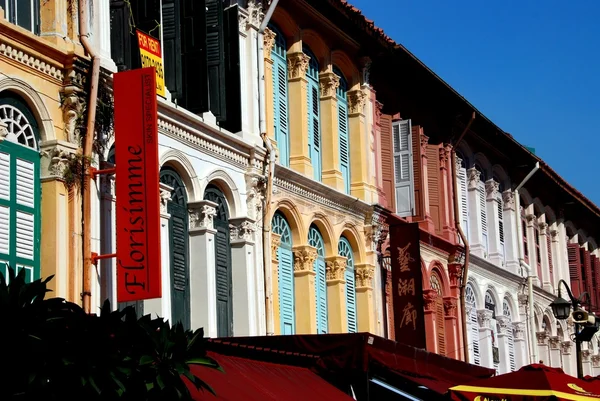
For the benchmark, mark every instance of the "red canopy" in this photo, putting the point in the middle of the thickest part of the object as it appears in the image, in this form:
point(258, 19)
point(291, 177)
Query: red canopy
point(530, 383)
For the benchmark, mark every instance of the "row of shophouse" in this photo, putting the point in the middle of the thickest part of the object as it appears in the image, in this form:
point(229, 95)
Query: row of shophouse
point(292, 136)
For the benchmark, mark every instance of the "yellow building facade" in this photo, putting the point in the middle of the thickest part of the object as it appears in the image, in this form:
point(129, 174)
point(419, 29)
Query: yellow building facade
point(321, 116)
point(42, 75)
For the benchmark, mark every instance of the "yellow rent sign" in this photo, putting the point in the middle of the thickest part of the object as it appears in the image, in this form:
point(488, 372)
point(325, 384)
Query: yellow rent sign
point(151, 57)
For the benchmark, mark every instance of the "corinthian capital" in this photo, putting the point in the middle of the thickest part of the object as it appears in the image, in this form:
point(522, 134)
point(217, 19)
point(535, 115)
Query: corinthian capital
point(328, 83)
point(491, 189)
point(473, 175)
point(297, 65)
point(304, 258)
point(268, 42)
point(356, 101)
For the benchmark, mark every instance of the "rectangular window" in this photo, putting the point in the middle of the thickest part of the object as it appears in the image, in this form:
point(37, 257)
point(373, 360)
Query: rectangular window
point(403, 167)
point(524, 239)
point(24, 13)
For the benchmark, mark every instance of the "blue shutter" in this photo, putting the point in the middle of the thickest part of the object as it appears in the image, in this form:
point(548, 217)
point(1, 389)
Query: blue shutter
point(280, 99)
point(316, 240)
point(285, 274)
point(344, 249)
point(314, 128)
point(342, 104)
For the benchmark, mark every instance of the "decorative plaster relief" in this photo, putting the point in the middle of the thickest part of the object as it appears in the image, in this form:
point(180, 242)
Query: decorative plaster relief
point(336, 267)
point(508, 200)
point(165, 197)
point(542, 337)
point(450, 306)
point(519, 330)
point(328, 82)
point(356, 101)
point(297, 65)
point(484, 317)
point(491, 189)
point(429, 297)
point(242, 229)
point(364, 275)
point(304, 258)
point(275, 242)
point(565, 347)
point(268, 42)
point(202, 214)
point(473, 175)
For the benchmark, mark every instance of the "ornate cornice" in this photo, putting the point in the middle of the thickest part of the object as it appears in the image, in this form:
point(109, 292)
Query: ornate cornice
point(356, 102)
point(297, 65)
point(304, 259)
point(328, 83)
point(202, 214)
point(473, 177)
point(364, 275)
point(25, 58)
point(268, 42)
point(336, 267)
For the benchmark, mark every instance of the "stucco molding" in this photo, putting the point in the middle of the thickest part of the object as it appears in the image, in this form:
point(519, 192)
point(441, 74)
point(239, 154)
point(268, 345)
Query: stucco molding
point(268, 43)
point(275, 242)
point(328, 84)
point(201, 214)
point(356, 102)
point(336, 268)
point(364, 274)
point(25, 58)
point(242, 229)
point(473, 177)
point(304, 259)
point(297, 65)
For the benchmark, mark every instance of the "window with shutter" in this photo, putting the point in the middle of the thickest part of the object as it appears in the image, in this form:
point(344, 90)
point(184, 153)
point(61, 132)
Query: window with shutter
point(24, 13)
point(314, 122)
point(171, 46)
point(194, 67)
point(549, 245)
point(483, 213)
point(501, 226)
point(440, 323)
point(345, 250)
point(490, 304)
point(574, 269)
point(461, 176)
point(473, 333)
point(232, 120)
point(316, 240)
point(538, 255)
point(387, 160)
point(280, 96)
point(178, 238)
point(524, 234)
point(222, 262)
point(285, 274)
point(215, 57)
point(586, 269)
point(403, 167)
point(596, 275)
point(20, 189)
point(509, 337)
point(342, 103)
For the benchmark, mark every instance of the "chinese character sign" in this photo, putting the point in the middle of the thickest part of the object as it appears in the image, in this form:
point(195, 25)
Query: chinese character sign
point(407, 285)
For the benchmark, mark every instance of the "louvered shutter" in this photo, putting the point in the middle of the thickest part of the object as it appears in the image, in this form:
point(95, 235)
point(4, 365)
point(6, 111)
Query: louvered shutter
point(474, 336)
point(215, 57)
point(501, 226)
point(387, 160)
point(195, 96)
point(180, 298)
point(5, 191)
point(596, 275)
point(314, 128)
point(121, 42)
point(464, 205)
point(223, 279)
point(417, 177)
point(280, 107)
point(574, 268)
point(440, 325)
point(172, 46)
point(232, 120)
point(286, 290)
point(550, 263)
point(483, 213)
point(511, 349)
point(344, 141)
point(587, 268)
point(345, 250)
point(321, 296)
point(433, 185)
point(403, 167)
point(495, 349)
point(524, 239)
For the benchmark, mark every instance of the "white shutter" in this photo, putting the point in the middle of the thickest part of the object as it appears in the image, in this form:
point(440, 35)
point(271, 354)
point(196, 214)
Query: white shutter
point(4, 229)
point(511, 350)
point(483, 212)
point(474, 336)
point(4, 176)
point(25, 231)
point(494, 325)
point(464, 206)
point(25, 183)
point(403, 167)
point(501, 226)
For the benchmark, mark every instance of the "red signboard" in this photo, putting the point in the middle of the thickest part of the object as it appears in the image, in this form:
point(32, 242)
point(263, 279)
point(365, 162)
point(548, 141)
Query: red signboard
point(137, 192)
point(407, 285)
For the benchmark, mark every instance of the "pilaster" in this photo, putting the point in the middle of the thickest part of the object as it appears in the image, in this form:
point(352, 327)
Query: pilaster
point(555, 248)
point(268, 43)
point(504, 326)
point(330, 142)
point(510, 232)
point(533, 259)
point(336, 294)
point(484, 317)
point(429, 300)
point(521, 352)
point(554, 345)
point(298, 113)
point(275, 242)
point(304, 289)
point(447, 216)
point(495, 242)
point(476, 241)
point(451, 326)
point(544, 252)
point(359, 145)
point(365, 303)
point(542, 344)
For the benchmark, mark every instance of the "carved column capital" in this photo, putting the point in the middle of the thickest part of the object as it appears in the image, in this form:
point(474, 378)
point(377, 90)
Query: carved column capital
point(56, 158)
point(268, 42)
point(473, 176)
point(530, 219)
point(595, 361)
point(484, 318)
point(542, 337)
point(365, 64)
point(242, 229)
point(508, 200)
point(255, 193)
point(424, 140)
point(444, 156)
point(3, 131)
point(543, 228)
point(72, 107)
point(455, 270)
point(255, 15)
point(378, 111)
point(304, 259)
point(519, 330)
point(356, 102)
point(450, 306)
point(504, 324)
point(165, 197)
point(202, 214)
point(328, 83)
point(364, 274)
point(585, 355)
point(554, 342)
point(275, 242)
point(297, 65)
point(565, 347)
point(429, 297)
point(336, 267)
point(491, 189)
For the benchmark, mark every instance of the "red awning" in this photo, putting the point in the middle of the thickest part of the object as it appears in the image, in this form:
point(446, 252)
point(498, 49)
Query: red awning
point(252, 380)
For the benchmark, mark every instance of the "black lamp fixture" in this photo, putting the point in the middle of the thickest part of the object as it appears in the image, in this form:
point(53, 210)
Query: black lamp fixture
point(561, 308)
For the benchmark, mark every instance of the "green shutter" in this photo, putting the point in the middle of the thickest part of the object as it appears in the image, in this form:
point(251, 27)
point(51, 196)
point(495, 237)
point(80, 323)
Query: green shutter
point(215, 56)
point(285, 274)
point(232, 121)
point(280, 97)
point(171, 46)
point(342, 104)
point(345, 250)
point(316, 240)
point(193, 59)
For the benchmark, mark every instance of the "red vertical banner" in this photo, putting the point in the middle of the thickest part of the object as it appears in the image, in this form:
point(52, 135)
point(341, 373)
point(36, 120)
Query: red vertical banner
point(407, 285)
point(137, 190)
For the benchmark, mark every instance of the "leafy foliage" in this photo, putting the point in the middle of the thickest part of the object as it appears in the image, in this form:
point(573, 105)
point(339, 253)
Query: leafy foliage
point(54, 351)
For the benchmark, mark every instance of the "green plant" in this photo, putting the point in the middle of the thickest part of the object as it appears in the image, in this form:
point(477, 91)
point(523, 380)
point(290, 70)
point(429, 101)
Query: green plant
point(57, 352)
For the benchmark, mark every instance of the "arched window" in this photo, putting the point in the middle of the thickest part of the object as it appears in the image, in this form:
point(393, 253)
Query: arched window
point(483, 209)
point(345, 250)
point(343, 128)
point(20, 189)
point(280, 96)
point(461, 177)
point(440, 324)
point(222, 262)
point(316, 240)
point(285, 274)
point(313, 105)
point(473, 333)
point(509, 337)
point(178, 247)
point(490, 304)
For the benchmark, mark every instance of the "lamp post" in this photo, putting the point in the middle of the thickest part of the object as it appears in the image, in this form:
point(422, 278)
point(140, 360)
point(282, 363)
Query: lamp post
point(561, 308)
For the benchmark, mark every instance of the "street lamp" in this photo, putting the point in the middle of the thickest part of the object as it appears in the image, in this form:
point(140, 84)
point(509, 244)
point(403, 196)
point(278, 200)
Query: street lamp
point(561, 308)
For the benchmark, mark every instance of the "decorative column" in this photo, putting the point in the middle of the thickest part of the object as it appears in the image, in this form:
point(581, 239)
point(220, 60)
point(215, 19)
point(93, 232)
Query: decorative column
point(510, 232)
point(542, 344)
point(484, 317)
point(268, 43)
point(586, 362)
point(275, 241)
point(521, 353)
point(365, 303)
point(382, 200)
point(330, 139)
point(504, 325)
point(544, 251)
point(422, 209)
point(336, 294)
point(455, 271)
point(557, 265)
point(359, 168)
point(554, 343)
point(102, 27)
point(203, 302)
point(429, 300)
point(242, 240)
point(475, 234)
point(304, 289)
point(595, 365)
point(453, 347)
point(496, 254)
point(569, 363)
point(298, 112)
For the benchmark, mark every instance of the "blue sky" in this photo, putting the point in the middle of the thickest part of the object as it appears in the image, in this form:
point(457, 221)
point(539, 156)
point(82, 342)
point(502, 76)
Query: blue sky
point(532, 67)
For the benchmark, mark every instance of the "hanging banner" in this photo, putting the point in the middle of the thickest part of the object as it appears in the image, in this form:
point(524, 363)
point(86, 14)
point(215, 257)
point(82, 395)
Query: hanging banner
point(137, 190)
point(407, 285)
point(151, 56)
